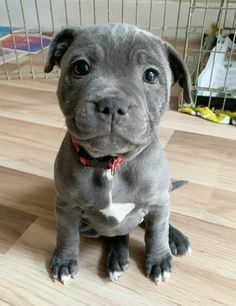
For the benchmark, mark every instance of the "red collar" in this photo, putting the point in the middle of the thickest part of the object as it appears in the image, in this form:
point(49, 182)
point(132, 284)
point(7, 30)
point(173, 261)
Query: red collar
point(107, 162)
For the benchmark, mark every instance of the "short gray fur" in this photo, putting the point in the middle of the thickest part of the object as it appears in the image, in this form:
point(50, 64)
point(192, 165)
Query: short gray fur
point(118, 56)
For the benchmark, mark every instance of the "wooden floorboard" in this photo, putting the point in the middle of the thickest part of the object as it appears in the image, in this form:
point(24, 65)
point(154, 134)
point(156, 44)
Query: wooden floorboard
point(13, 224)
point(28, 146)
point(202, 159)
point(204, 153)
point(183, 122)
point(28, 193)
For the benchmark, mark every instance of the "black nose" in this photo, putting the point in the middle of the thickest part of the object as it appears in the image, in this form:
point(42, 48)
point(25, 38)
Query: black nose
point(112, 107)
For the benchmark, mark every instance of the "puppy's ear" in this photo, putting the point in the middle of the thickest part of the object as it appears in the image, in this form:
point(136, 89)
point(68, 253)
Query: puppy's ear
point(59, 44)
point(180, 72)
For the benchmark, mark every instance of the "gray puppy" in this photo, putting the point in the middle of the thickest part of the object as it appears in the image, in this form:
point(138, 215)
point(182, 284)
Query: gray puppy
point(111, 172)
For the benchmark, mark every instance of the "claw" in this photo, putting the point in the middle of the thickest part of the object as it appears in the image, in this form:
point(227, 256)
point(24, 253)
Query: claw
point(189, 251)
point(125, 267)
point(165, 276)
point(175, 252)
point(115, 276)
point(65, 279)
point(157, 280)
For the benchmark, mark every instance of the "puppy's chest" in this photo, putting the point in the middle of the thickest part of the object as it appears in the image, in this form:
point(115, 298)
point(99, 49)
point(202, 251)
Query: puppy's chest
point(110, 198)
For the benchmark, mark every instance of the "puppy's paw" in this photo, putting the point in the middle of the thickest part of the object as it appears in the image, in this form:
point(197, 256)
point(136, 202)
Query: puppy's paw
point(178, 242)
point(158, 267)
point(63, 269)
point(117, 264)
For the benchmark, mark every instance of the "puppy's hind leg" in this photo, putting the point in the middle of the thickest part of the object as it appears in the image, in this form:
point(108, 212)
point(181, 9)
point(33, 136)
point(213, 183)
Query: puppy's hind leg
point(179, 243)
point(86, 230)
point(118, 256)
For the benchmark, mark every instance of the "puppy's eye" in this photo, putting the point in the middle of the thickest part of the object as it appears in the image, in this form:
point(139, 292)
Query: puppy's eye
point(81, 67)
point(150, 76)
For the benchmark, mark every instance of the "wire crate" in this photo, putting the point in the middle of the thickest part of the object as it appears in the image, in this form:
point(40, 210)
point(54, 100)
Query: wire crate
point(185, 24)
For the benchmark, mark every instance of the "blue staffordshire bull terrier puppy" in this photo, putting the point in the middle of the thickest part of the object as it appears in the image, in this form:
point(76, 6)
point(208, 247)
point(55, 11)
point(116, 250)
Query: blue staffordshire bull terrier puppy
point(111, 172)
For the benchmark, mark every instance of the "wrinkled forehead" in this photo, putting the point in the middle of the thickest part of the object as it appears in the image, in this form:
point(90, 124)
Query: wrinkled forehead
point(123, 42)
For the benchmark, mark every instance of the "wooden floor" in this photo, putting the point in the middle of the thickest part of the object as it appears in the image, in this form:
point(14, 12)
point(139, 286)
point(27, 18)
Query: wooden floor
point(31, 129)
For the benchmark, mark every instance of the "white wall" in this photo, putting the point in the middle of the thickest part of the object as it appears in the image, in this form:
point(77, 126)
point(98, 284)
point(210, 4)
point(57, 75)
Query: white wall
point(115, 15)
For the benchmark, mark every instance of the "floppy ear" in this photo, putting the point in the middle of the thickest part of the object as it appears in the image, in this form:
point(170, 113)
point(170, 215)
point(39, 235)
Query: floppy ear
point(180, 72)
point(59, 44)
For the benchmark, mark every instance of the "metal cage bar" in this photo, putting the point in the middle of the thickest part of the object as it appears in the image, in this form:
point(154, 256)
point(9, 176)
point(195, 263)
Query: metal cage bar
point(150, 17)
point(66, 14)
point(200, 51)
point(94, 12)
point(40, 33)
point(177, 23)
point(27, 39)
point(13, 39)
point(80, 13)
point(219, 20)
point(229, 61)
point(164, 21)
point(4, 62)
point(108, 11)
point(136, 13)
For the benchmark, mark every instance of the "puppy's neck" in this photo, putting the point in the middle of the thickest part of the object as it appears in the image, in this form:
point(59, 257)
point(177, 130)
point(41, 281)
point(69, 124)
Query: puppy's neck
point(105, 162)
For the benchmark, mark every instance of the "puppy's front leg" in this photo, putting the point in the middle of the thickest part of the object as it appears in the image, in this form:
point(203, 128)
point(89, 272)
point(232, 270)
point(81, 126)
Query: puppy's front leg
point(64, 263)
point(158, 254)
point(118, 256)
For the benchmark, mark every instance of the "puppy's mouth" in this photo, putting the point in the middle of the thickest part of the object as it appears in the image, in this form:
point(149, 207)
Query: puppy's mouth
point(106, 145)
point(100, 143)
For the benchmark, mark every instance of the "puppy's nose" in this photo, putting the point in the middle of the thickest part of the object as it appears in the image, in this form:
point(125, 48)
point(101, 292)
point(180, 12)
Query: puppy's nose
point(114, 107)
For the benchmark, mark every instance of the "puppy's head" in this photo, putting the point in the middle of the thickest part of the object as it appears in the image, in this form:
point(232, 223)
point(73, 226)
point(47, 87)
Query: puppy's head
point(114, 85)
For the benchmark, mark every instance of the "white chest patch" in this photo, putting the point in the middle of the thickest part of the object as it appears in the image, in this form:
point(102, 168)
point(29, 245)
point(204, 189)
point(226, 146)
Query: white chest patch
point(108, 175)
point(118, 210)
